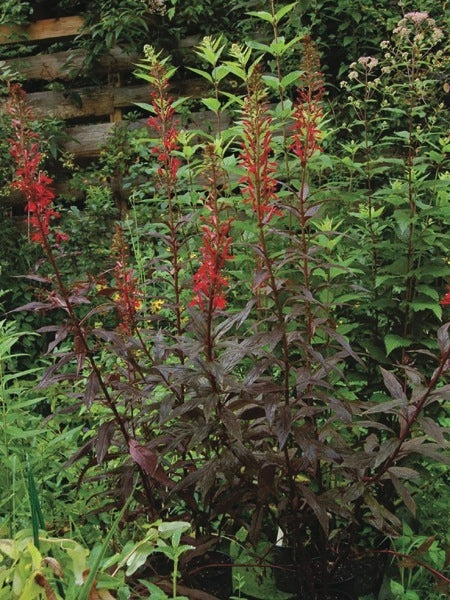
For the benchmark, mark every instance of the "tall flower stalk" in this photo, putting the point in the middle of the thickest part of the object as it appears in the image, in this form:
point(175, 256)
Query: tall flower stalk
point(259, 190)
point(306, 136)
point(164, 123)
point(35, 185)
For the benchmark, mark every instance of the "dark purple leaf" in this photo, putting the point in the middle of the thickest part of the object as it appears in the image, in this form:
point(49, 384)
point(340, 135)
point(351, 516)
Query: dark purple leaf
point(33, 306)
point(381, 514)
point(314, 503)
point(148, 461)
point(51, 375)
point(231, 423)
point(385, 451)
point(80, 453)
point(282, 425)
point(234, 320)
point(443, 338)
point(393, 385)
point(432, 429)
point(403, 493)
point(103, 441)
point(385, 407)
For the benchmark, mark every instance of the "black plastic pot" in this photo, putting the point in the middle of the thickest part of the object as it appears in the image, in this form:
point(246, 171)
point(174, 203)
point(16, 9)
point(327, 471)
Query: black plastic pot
point(369, 572)
point(288, 576)
point(211, 572)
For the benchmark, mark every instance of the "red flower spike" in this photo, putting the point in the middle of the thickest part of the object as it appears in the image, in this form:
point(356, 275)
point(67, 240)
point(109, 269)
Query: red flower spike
point(29, 179)
point(209, 281)
point(259, 183)
point(164, 124)
point(308, 111)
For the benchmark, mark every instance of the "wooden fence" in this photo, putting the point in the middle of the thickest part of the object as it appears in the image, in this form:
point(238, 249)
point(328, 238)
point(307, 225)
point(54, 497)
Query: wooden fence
point(89, 111)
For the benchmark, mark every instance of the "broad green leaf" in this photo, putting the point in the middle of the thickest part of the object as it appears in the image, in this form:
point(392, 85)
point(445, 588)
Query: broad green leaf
point(434, 307)
point(78, 555)
point(258, 46)
point(272, 81)
point(290, 78)
point(156, 593)
point(236, 70)
point(220, 72)
point(202, 73)
point(428, 291)
point(211, 104)
point(168, 527)
point(35, 555)
point(261, 14)
point(283, 11)
point(392, 342)
point(10, 548)
point(138, 557)
point(145, 106)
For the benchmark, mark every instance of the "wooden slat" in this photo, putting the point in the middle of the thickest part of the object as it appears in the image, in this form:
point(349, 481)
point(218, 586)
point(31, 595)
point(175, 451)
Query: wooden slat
point(98, 101)
point(41, 30)
point(86, 102)
point(86, 141)
point(62, 65)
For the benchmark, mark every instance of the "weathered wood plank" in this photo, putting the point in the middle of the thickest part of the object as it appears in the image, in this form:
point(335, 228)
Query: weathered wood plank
point(86, 141)
point(98, 101)
point(41, 30)
point(85, 102)
point(63, 65)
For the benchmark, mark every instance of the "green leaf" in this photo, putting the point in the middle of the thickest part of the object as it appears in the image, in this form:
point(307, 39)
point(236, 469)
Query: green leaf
point(261, 14)
point(202, 73)
point(428, 291)
point(138, 557)
point(290, 78)
point(283, 11)
point(78, 555)
point(156, 592)
point(167, 528)
point(258, 46)
point(392, 341)
point(145, 106)
point(211, 104)
point(220, 72)
point(236, 70)
point(272, 81)
point(435, 308)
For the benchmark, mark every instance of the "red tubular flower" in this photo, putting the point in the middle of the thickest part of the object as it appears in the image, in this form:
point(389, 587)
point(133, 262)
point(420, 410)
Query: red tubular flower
point(259, 183)
point(209, 281)
point(446, 299)
point(29, 179)
point(308, 111)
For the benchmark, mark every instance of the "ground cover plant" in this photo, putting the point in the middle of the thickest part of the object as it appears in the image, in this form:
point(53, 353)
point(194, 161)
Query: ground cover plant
point(264, 356)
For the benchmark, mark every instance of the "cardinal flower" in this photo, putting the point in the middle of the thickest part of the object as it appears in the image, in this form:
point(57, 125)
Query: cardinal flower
point(30, 179)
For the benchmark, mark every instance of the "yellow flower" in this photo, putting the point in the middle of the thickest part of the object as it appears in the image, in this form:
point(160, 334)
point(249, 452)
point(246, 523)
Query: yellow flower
point(156, 305)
